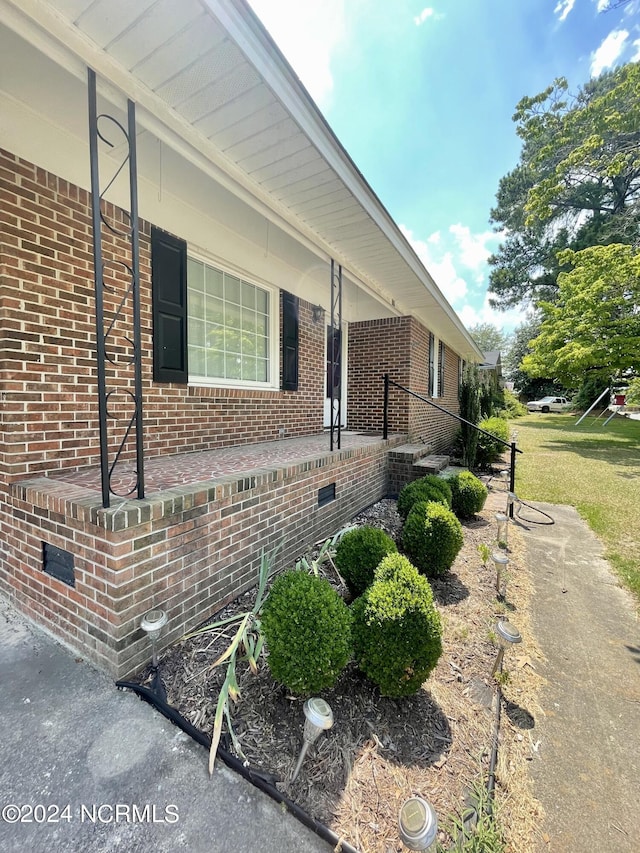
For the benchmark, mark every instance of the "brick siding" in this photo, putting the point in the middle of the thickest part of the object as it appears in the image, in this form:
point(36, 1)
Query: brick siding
point(399, 346)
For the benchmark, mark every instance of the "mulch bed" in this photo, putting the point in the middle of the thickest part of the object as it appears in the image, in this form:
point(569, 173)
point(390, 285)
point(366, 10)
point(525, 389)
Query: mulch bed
point(381, 751)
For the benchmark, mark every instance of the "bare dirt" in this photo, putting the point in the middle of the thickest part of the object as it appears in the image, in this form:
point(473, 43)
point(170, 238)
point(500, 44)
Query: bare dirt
point(380, 751)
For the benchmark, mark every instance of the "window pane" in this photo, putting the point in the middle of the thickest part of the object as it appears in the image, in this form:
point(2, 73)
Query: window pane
point(228, 326)
point(195, 275)
point(214, 282)
point(197, 361)
point(232, 366)
point(215, 364)
point(232, 316)
point(262, 370)
point(214, 310)
point(196, 333)
point(232, 289)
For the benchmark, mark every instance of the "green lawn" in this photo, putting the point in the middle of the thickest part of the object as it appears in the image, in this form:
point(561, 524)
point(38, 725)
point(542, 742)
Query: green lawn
point(592, 467)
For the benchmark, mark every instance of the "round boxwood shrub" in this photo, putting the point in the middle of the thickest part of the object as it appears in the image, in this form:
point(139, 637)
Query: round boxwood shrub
point(359, 552)
point(469, 494)
point(307, 628)
point(432, 537)
point(396, 628)
point(490, 449)
point(429, 488)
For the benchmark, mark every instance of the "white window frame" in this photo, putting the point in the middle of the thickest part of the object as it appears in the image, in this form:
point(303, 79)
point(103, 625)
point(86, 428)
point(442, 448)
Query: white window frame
point(273, 353)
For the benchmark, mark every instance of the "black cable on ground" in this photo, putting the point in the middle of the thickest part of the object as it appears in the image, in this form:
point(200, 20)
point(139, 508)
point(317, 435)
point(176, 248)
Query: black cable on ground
point(263, 781)
point(522, 503)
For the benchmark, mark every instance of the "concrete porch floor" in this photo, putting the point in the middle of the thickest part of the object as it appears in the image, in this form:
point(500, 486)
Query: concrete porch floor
point(166, 472)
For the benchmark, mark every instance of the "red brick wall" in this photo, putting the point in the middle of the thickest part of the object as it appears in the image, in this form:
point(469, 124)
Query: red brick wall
point(188, 550)
point(47, 362)
point(398, 346)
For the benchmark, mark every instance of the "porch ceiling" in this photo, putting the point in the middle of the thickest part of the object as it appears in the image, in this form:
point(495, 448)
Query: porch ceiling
point(209, 70)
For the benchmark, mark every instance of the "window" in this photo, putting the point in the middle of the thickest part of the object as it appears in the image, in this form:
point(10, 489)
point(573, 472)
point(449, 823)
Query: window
point(229, 327)
point(440, 369)
point(432, 376)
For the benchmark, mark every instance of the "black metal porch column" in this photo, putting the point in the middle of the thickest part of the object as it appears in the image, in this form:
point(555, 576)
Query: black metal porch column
point(336, 355)
point(118, 339)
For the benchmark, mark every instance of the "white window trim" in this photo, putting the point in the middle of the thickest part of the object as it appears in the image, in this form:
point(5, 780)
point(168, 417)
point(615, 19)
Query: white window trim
point(273, 384)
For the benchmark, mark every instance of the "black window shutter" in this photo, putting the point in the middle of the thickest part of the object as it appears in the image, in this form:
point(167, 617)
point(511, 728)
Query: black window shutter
point(440, 369)
point(169, 288)
point(431, 389)
point(290, 342)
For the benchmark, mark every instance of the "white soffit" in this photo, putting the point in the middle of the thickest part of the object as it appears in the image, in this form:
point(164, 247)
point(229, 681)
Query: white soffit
point(216, 70)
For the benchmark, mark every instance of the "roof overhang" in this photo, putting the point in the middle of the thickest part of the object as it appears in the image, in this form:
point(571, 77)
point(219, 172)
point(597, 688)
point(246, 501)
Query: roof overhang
point(209, 81)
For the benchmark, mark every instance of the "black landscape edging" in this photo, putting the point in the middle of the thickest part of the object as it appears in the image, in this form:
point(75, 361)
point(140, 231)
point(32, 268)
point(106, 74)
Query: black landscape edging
point(258, 778)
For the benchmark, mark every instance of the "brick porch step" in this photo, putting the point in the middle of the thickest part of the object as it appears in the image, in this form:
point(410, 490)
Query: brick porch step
point(410, 453)
point(431, 465)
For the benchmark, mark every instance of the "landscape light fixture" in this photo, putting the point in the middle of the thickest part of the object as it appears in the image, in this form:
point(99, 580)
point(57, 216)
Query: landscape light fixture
point(418, 824)
point(512, 499)
point(504, 475)
point(152, 624)
point(500, 561)
point(502, 524)
point(508, 635)
point(318, 718)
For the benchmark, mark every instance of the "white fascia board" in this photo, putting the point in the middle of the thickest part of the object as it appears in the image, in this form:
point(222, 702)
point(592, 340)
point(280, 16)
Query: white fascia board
point(250, 35)
point(47, 30)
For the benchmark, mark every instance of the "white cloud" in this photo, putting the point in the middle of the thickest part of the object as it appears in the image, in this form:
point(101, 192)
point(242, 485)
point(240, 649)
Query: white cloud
point(473, 249)
point(636, 55)
point(608, 52)
point(442, 269)
point(505, 320)
point(422, 17)
point(307, 33)
point(602, 5)
point(563, 7)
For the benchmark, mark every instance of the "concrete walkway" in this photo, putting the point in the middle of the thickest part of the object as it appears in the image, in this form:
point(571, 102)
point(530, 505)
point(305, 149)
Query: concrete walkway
point(587, 773)
point(68, 737)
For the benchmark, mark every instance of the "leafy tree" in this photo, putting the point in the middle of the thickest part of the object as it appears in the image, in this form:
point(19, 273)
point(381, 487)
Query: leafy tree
point(594, 325)
point(577, 183)
point(489, 337)
point(469, 398)
point(532, 388)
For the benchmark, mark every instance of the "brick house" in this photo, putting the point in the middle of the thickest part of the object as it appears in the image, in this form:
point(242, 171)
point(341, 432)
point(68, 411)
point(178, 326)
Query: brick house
point(273, 293)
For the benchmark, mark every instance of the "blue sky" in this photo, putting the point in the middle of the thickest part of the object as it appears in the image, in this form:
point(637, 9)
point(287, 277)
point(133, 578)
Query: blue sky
point(421, 94)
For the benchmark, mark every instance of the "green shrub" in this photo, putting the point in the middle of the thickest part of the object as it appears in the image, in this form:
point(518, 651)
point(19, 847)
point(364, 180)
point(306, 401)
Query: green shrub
point(432, 537)
point(513, 407)
point(469, 399)
point(307, 627)
point(396, 628)
point(488, 449)
point(359, 552)
point(468, 493)
point(429, 488)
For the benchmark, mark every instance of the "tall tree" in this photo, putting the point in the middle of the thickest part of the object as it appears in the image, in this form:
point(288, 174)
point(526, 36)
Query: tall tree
point(530, 387)
point(489, 337)
point(577, 183)
point(593, 328)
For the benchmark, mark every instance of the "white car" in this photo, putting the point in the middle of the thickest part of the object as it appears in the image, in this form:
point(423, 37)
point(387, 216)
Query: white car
point(548, 404)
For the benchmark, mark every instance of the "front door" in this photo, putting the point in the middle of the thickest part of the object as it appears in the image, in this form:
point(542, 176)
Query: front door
point(336, 337)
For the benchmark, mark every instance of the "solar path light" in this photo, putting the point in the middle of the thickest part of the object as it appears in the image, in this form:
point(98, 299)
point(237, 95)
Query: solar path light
point(508, 635)
point(418, 824)
point(318, 718)
point(500, 561)
point(152, 624)
point(502, 523)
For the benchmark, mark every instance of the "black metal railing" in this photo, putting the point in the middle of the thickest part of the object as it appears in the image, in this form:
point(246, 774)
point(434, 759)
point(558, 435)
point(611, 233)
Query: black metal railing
point(118, 328)
point(511, 445)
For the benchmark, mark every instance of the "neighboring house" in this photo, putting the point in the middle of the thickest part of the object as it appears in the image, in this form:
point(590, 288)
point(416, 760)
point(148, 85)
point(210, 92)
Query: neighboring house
point(491, 368)
point(255, 229)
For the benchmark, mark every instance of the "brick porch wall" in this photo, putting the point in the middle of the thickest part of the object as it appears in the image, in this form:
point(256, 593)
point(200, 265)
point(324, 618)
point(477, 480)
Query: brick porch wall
point(47, 344)
point(189, 550)
point(398, 346)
